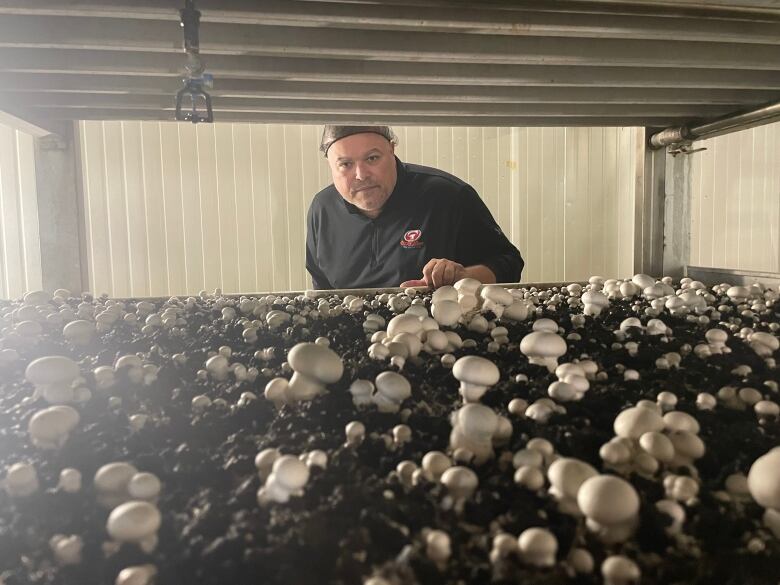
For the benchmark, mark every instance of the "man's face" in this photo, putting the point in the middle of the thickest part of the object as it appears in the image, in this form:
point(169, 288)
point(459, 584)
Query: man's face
point(363, 169)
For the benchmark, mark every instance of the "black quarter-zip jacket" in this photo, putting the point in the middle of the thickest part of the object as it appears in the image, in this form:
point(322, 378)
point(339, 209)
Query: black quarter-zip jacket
point(430, 214)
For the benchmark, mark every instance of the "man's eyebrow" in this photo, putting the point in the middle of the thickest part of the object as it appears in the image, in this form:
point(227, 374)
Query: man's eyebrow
point(370, 152)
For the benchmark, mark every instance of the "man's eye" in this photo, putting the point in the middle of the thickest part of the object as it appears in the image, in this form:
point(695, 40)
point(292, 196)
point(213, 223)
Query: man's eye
point(373, 158)
point(344, 165)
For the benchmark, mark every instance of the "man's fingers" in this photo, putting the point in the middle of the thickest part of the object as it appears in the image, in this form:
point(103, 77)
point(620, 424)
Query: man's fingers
point(428, 269)
point(439, 272)
point(449, 273)
point(409, 283)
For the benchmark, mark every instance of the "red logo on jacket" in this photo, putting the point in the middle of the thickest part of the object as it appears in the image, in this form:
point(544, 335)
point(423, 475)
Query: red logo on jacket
point(411, 239)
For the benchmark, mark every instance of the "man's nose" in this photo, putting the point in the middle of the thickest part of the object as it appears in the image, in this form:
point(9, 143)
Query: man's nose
point(361, 171)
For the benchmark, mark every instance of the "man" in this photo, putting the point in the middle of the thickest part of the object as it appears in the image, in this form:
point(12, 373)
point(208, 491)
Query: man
point(384, 223)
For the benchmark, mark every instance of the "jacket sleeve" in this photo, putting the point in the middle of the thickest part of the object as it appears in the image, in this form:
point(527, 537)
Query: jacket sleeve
point(481, 241)
point(318, 278)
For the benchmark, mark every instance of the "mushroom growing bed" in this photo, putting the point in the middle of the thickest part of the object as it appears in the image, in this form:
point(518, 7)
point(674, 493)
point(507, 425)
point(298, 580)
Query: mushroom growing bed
point(617, 432)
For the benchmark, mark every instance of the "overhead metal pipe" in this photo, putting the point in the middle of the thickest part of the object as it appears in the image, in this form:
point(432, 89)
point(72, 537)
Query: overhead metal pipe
point(765, 114)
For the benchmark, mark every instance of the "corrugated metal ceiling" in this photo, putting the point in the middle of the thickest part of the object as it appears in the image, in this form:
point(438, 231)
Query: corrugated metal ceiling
point(434, 62)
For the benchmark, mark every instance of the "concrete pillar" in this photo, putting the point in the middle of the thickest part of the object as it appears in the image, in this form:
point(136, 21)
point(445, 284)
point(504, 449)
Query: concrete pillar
point(56, 172)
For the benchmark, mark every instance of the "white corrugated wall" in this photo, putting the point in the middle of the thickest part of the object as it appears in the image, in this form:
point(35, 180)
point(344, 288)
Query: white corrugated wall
point(20, 247)
point(735, 212)
point(176, 208)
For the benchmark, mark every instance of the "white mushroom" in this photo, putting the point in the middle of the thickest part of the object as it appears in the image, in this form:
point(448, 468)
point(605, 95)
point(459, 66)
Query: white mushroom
point(391, 390)
point(594, 302)
point(538, 547)
point(634, 422)
point(620, 570)
point(134, 521)
point(434, 464)
point(276, 391)
point(66, 549)
point(566, 475)
point(611, 506)
point(473, 428)
point(79, 332)
point(136, 575)
point(362, 391)
point(446, 313)
point(764, 479)
point(264, 462)
point(144, 486)
point(496, 298)
point(49, 428)
point(437, 547)
point(70, 480)
point(476, 375)
point(354, 432)
point(461, 483)
point(53, 377)
point(543, 348)
point(314, 365)
point(288, 477)
point(21, 480)
point(111, 482)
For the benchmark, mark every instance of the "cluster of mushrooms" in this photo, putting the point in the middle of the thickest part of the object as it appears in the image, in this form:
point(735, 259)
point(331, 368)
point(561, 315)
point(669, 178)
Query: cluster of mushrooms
point(49, 345)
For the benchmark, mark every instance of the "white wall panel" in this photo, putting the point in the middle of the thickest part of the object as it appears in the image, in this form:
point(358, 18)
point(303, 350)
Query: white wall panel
point(735, 212)
point(173, 209)
point(20, 248)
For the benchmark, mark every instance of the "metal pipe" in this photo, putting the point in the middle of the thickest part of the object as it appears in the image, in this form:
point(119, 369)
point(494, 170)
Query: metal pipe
point(766, 114)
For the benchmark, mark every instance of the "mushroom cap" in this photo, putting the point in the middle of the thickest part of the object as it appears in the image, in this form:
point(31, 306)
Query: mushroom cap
point(446, 312)
point(567, 474)
point(144, 486)
point(569, 369)
point(36, 297)
point(595, 297)
point(634, 422)
point(681, 421)
point(360, 387)
point(50, 424)
point(545, 324)
point(460, 481)
point(477, 420)
point(497, 294)
point(393, 386)
point(643, 280)
point(436, 463)
point(137, 575)
point(53, 369)
point(608, 500)
point(658, 445)
point(764, 479)
point(618, 569)
point(543, 344)
point(114, 477)
point(476, 370)
point(517, 311)
point(467, 286)
point(437, 340)
point(444, 293)
point(538, 546)
point(766, 339)
point(405, 323)
point(79, 330)
point(316, 361)
point(133, 521)
point(290, 472)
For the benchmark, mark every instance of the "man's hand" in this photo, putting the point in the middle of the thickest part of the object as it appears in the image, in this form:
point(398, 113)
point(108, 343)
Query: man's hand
point(438, 272)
